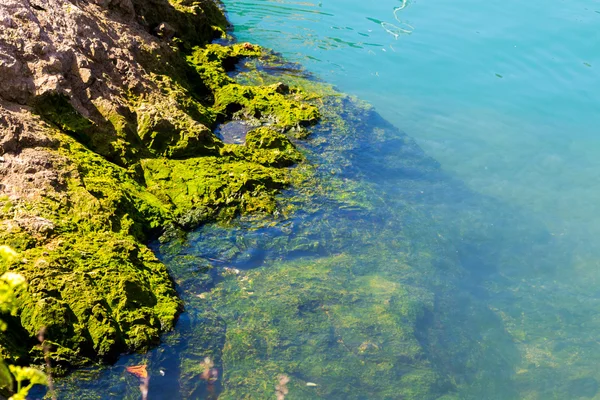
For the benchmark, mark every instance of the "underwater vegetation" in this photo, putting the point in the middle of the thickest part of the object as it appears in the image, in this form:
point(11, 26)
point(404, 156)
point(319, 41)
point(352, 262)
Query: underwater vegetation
point(367, 280)
point(332, 319)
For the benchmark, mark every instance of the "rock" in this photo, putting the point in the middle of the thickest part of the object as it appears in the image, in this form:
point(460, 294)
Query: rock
point(36, 225)
point(166, 130)
point(105, 140)
point(86, 75)
point(165, 31)
point(68, 71)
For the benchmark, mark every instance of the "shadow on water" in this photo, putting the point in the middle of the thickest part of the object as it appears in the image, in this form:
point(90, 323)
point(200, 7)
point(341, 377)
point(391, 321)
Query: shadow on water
point(380, 278)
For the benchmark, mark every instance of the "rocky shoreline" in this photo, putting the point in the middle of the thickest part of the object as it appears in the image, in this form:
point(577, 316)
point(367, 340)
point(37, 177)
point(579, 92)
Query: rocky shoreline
point(107, 114)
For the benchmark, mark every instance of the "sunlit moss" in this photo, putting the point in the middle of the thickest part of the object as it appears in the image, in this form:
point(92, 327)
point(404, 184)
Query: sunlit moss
point(279, 104)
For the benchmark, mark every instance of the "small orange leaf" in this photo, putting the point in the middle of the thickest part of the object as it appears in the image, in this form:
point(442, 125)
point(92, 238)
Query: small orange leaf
point(138, 370)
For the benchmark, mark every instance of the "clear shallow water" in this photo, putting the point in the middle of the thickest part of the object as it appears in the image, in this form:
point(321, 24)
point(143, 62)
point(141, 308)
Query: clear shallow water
point(529, 137)
point(468, 270)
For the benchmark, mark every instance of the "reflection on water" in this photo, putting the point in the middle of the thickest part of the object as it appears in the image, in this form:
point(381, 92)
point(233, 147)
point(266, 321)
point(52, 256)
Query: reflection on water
point(389, 275)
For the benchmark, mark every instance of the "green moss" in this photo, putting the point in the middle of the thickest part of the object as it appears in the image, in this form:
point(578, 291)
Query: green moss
point(213, 61)
point(57, 109)
point(193, 99)
point(110, 137)
point(15, 237)
point(277, 104)
point(215, 184)
point(105, 196)
point(173, 122)
point(99, 295)
point(95, 289)
point(173, 134)
point(265, 146)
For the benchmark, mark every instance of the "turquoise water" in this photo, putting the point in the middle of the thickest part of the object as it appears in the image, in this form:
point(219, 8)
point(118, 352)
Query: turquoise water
point(451, 253)
point(503, 94)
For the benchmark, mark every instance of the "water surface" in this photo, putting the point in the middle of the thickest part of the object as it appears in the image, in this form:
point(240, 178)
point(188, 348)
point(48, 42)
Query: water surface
point(503, 93)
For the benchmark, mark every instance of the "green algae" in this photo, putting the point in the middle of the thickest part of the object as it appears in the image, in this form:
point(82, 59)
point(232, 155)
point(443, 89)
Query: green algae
point(247, 102)
point(278, 104)
point(169, 133)
point(365, 305)
point(112, 138)
point(92, 285)
point(241, 179)
point(320, 322)
point(216, 185)
point(360, 308)
point(550, 336)
point(342, 325)
point(267, 147)
point(212, 62)
point(154, 163)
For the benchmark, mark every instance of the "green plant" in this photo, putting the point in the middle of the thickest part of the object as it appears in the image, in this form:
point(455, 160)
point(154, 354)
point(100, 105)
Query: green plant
point(24, 377)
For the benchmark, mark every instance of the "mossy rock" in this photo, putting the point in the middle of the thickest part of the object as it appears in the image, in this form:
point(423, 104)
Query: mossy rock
point(213, 183)
point(112, 138)
point(281, 107)
point(103, 290)
point(265, 138)
point(277, 103)
point(169, 132)
point(141, 163)
point(100, 296)
point(193, 23)
point(265, 146)
point(56, 108)
point(213, 61)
